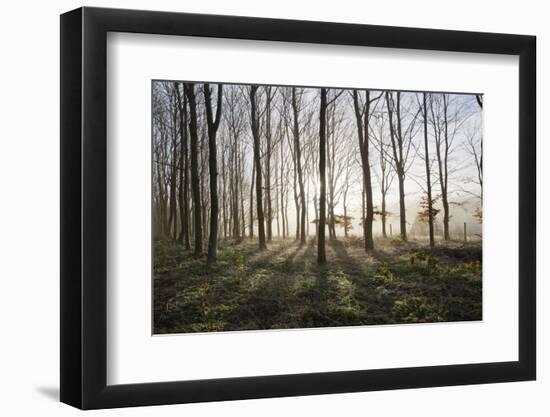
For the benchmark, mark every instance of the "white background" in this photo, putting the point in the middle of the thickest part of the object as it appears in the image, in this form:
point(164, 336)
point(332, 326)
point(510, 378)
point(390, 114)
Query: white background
point(133, 60)
point(29, 174)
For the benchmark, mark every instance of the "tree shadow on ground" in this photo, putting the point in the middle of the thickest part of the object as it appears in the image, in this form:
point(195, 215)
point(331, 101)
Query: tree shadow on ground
point(269, 255)
point(349, 263)
point(380, 256)
point(306, 256)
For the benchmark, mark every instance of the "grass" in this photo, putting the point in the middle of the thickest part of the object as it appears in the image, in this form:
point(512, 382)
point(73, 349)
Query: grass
point(283, 287)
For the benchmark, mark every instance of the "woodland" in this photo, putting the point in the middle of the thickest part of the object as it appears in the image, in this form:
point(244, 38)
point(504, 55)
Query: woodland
point(279, 207)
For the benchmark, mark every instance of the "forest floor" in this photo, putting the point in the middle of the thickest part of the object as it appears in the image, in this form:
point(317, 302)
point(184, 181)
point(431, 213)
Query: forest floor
point(283, 287)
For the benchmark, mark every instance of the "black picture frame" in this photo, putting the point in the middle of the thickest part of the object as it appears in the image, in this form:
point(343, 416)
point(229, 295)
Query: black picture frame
point(84, 207)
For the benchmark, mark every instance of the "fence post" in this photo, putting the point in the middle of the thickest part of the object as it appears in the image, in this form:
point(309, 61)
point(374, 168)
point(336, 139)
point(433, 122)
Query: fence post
point(465, 239)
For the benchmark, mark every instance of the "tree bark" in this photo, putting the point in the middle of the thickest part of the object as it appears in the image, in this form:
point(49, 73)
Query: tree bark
point(213, 122)
point(445, 195)
point(235, 189)
point(251, 207)
point(282, 191)
point(195, 181)
point(269, 212)
point(362, 118)
point(184, 179)
point(397, 147)
point(172, 219)
point(428, 178)
point(256, 136)
point(321, 254)
point(296, 134)
point(442, 140)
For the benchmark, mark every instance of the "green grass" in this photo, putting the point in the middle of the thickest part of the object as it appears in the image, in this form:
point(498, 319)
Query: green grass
point(283, 287)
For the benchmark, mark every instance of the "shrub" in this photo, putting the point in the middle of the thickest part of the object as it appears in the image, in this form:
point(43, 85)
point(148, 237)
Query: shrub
point(414, 309)
point(386, 273)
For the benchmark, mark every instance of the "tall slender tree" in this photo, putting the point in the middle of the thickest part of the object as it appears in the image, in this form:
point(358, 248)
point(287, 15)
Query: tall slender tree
point(401, 141)
point(385, 173)
point(447, 115)
point(428, 176)
point(234, 115)
point(183, 165)
point(213, 122)
point(269, 92)
point(251, 204)
point(195, 180)
point(255, 126)
point(337, 138)
point(362, 116)
point(321, 252)
point(296, 101)
point(172, 216)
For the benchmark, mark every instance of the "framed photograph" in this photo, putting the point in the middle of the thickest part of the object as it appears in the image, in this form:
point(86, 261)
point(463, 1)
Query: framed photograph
point(257, 208)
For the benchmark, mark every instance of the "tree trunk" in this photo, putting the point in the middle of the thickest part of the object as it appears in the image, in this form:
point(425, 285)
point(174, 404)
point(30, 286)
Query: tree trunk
point(195, 181)
point(269, 213)
point(402, 209)
point(282, 191)
point(257, 163)
point(445, 195)
point(296, 200)
point(277, 191)
point(235, 191)
point(184, 179)
point(321, 254)
point(442, 163)
point(362, 117)
point(241, 193)
point(384, 234)
point(397, 147)
point(203, 156)
point(345, 214)
point(331, 162)
point(296, 133)
point(251, 207)
point(172, 223)
point(316, 215)
point(213, 123)
point(428, 178)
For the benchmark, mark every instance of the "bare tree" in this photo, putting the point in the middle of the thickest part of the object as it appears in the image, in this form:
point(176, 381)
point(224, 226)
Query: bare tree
point(288, 133)
point(401, 134)
point(251, 205)
point(172, 213)
point(213, 122)
point(269, 92)
point(184, 169)
point(384, 173)
point(348, 183)
point(337, 138)
point(428, 176)
point(195, 180)
point(446, 117)
point(234, 115)
point(362, 116)
point(474, 147)
point(321, 253)
point(296, 108)
point(255, 125)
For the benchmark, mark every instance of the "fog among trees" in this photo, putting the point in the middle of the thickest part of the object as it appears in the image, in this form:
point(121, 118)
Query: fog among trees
point(266, 178)
point(275, 172)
